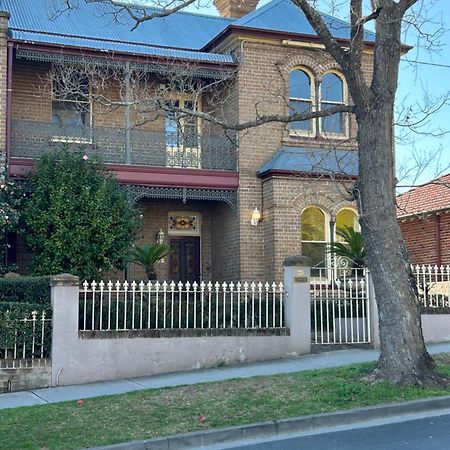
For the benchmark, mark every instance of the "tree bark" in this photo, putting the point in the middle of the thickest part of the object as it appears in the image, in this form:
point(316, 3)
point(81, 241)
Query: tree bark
point(403, 358)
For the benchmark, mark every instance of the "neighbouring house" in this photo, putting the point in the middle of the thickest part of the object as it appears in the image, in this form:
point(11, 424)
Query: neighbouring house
point(424, 216)
point(231, 207)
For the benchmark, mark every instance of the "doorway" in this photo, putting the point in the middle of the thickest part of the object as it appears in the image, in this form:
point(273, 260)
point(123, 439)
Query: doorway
point(185, 259)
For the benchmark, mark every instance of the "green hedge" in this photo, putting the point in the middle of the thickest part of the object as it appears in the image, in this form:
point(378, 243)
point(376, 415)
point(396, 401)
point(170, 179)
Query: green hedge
point(35, 290)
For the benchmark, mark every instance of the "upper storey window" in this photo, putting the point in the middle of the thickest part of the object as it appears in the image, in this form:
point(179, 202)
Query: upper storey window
point(300, 99)
point(71, 108)
point(305, 96)
point(332, 94)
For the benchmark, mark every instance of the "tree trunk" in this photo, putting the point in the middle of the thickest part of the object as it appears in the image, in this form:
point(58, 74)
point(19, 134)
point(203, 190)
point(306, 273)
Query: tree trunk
point(404, 358)
point(151, 273)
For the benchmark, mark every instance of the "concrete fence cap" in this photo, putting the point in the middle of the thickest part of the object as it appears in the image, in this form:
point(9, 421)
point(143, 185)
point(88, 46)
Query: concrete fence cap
point(298, 260)
point(64, 279)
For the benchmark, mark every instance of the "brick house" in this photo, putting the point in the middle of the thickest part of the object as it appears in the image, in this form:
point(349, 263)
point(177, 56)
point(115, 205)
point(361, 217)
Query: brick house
point(424, 216)
point(200, 192)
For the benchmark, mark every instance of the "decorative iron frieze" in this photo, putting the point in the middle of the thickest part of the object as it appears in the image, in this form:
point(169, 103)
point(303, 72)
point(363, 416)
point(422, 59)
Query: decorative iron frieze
point(137, 193)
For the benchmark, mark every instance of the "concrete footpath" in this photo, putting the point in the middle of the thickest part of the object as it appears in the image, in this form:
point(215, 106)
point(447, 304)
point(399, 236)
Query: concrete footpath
point(286, 365)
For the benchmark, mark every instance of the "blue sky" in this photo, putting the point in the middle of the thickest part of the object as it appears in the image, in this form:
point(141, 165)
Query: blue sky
point(424, 79)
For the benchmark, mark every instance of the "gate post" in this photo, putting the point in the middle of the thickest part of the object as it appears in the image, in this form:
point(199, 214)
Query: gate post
point(373, 309)
point(297, 272)
point(64, 297)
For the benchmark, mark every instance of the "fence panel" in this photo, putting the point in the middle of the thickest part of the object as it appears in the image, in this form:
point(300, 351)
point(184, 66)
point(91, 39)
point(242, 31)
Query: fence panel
point(25, 337)
point(160, 306)
point(433, 285)
point(340, 311)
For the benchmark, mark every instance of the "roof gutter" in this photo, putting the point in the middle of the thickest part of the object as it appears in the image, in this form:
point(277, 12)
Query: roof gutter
point(282, 35)
point(339, 176)
point(423, 214)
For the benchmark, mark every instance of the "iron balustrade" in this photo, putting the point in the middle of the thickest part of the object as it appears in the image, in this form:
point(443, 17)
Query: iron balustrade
point(202, 150)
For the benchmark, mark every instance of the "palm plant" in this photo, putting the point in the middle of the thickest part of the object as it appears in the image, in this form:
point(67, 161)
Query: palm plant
point(147, 256)
point(352, 247)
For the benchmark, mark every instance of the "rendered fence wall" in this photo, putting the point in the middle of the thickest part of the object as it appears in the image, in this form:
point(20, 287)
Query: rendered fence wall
point(87, 356)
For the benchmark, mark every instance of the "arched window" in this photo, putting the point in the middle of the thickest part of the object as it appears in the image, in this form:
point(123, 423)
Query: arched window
point(346, 217)
point(332, 93)
point(314, 235)
point(300, 99)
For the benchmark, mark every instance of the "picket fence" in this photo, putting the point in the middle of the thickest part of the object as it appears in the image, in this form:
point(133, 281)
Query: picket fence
point(154, 305)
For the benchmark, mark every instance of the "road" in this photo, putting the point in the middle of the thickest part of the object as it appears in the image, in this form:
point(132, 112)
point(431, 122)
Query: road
point(430, 433)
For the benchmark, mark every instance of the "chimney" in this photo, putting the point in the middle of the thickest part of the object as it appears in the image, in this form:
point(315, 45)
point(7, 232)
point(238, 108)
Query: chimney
point(235, 8)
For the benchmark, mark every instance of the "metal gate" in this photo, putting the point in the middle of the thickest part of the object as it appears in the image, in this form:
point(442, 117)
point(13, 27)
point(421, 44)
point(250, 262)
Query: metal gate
point(340, 312)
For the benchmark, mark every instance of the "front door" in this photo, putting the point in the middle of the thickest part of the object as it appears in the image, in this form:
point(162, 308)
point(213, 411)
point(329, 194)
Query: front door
point(185, 259)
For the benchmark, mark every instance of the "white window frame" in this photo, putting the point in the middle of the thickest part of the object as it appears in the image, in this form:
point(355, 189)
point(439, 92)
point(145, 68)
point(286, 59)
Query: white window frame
point(74, 139)
point(311, 100)
point(327, 134)
point(197, 151)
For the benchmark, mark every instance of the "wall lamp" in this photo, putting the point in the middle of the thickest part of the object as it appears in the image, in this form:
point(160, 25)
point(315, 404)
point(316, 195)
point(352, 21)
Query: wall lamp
point(160, 237)
point(256, 217)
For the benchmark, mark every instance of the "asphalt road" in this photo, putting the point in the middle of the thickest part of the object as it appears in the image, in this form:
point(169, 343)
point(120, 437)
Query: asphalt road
point(431, 433)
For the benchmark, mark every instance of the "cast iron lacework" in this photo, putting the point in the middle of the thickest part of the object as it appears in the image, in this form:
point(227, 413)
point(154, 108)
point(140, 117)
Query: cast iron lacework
point(139, 192)
point(160, 69)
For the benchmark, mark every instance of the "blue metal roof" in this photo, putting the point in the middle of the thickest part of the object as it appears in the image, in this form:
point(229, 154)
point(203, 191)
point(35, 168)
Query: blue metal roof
point(94, 25)
point(100, 26)
point(313, 160)
point(284, 16)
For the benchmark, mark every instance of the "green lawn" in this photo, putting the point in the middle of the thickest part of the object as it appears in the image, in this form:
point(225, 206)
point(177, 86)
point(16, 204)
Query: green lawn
point(158, 412)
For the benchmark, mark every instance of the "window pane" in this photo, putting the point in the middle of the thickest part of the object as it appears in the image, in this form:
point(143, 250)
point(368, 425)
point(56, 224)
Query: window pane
point(317, 254)
point(332, 88)
point(298, 106)
point(299, 85)
point(334, 123)
point(313, 224)
point(69, 114)
point(346, 218)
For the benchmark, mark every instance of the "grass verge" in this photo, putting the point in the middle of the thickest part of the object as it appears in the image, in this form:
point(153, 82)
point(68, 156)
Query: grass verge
point(158, 412)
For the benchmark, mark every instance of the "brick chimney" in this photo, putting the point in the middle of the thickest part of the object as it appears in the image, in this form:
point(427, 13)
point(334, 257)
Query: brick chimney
point(235, 8)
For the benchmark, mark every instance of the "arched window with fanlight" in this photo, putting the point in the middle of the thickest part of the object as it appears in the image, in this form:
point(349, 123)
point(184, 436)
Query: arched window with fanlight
point(333, 93)
point(314, 236)
point(346, 217)
point(301, 95)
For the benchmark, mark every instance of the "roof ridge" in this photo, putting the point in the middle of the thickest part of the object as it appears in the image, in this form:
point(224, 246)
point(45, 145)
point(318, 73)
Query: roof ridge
point(259, 11)
point(414, 188)
point(182, 11)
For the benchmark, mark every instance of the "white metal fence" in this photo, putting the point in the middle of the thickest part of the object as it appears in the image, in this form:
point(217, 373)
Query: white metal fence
point(340, 312)
point(433, 285)
point(25, 337)
point(160, 306)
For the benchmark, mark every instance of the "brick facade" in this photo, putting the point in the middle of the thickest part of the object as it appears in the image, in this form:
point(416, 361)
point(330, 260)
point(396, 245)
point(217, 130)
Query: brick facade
point(232, 248)
point(4, 16)
point(427, 238)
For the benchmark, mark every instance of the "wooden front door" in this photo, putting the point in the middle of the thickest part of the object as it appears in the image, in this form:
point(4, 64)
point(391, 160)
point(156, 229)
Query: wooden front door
point(185, 259)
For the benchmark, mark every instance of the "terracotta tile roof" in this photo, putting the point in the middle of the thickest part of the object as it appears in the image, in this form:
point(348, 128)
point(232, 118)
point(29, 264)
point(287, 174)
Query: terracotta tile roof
point(429, 197)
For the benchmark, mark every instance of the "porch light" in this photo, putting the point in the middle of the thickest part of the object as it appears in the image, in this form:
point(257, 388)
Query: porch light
point(256, 217)
point(160, 236)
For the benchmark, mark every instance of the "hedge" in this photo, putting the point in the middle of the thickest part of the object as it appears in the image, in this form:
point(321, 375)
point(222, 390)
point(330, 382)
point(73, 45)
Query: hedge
point(35, 290)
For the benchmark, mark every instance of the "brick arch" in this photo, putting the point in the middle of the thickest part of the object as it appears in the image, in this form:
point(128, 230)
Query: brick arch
point(299, 61)
point(343, 204)
point(322, 201)
point(329, 66)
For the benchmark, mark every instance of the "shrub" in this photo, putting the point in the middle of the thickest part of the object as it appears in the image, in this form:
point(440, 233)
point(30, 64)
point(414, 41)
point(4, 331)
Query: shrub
point(31, 290)
point(78, 219)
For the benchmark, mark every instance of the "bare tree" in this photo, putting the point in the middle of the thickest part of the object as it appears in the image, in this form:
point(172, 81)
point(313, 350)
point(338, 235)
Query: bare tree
point(404, 358)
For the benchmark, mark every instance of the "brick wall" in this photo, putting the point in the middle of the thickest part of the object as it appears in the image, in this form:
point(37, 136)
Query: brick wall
point(420, 236)
point(263, 83)
point(3, 86)
point(24, 374)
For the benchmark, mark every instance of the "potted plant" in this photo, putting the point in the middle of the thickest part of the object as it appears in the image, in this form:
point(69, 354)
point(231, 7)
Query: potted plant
point(351, 247)
point(147, 256)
